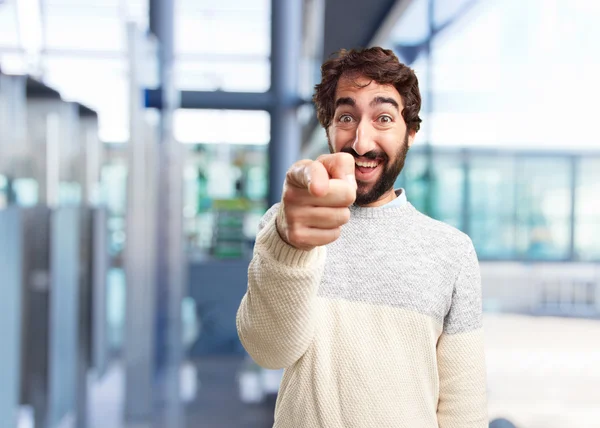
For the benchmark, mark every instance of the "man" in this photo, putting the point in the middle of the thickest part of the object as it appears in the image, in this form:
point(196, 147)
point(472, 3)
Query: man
point(372, 308)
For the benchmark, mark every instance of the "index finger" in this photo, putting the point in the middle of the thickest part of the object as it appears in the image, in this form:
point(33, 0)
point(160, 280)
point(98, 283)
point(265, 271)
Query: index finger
point(339, 165)
point(309, 175)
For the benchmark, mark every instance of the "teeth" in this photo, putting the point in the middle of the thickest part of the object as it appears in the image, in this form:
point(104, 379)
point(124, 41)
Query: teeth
point(366, 164)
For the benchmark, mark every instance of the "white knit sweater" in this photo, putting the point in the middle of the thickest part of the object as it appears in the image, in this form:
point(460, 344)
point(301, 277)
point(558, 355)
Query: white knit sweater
point(381, 328)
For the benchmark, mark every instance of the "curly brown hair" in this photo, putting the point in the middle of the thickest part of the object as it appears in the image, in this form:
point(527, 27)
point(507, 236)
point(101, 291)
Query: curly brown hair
point(378, 64)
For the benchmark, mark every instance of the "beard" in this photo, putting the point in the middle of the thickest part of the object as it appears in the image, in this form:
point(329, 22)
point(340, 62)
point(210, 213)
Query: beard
point(367, 194)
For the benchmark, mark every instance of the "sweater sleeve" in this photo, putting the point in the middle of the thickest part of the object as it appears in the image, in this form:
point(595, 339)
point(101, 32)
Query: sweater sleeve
point(275, 319)
point(460, 354)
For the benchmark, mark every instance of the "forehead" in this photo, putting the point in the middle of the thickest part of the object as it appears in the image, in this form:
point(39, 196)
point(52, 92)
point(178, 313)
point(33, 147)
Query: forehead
point(361, 88)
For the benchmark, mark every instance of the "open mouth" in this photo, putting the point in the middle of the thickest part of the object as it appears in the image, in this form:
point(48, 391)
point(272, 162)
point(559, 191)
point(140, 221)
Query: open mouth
point(366, 169)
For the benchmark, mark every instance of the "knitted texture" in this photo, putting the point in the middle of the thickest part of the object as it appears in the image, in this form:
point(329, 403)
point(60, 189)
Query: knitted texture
point(381, 328)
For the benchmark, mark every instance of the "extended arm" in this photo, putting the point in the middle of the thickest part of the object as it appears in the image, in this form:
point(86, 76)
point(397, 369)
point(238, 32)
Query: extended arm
point(275, 320)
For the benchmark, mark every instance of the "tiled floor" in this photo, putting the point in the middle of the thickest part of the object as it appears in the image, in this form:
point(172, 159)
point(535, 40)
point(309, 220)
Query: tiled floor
point(542, 373)
point(217, 404)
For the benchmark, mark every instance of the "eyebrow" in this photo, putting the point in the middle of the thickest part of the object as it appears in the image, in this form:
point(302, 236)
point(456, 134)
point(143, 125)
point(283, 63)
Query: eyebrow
point(384, 100)
point(345, 101)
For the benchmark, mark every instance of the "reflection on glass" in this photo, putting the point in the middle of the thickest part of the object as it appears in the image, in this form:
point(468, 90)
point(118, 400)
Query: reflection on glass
point(225, 197)
point(252, 75)
point(414, 180)
point(26, 192)
point(114, 196)
point(492, 206)
point(3, 191)
point(543, 206)
point(447, 187)
point(587, 210)
point(518, 206)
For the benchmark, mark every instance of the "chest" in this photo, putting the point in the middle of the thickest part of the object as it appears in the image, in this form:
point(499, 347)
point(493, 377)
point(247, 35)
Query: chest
point(391, 272)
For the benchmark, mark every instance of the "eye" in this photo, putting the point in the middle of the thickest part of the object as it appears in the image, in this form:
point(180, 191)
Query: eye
point(345, 118)
point(385, 119)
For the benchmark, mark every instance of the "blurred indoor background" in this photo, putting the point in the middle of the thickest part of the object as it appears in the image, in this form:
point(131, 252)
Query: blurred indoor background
point(142, 140)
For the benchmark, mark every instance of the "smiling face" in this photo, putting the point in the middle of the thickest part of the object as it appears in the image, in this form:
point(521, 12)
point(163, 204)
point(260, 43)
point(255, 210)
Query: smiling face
point(368, 124)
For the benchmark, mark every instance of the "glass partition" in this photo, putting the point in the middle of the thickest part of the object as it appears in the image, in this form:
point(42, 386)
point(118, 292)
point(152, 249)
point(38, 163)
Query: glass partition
point(587, 210)
point(543, 207)
point(491, 207)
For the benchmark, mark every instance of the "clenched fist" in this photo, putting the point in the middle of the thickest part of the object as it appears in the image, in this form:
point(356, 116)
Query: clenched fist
point(315, 200)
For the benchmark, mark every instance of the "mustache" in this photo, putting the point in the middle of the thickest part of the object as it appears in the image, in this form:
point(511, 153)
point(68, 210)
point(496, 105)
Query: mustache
point(371, 155)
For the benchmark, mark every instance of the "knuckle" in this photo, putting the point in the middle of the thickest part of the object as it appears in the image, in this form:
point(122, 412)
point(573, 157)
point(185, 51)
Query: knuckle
point(323, 158)
point(288, 197)
point(296, 236)
point(335, 233)
point(290, 174)
point(344, 215)
point(350, 195)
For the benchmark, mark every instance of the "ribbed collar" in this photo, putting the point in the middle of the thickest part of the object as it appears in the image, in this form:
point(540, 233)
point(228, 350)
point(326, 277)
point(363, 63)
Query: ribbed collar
point(403, 209)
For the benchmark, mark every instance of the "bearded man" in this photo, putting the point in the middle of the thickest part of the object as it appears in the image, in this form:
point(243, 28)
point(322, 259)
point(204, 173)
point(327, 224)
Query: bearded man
point(372, 308)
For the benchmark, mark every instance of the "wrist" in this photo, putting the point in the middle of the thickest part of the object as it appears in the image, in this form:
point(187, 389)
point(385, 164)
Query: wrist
point(279, 226)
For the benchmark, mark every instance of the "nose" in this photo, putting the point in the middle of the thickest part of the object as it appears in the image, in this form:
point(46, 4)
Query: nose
point(364, 140)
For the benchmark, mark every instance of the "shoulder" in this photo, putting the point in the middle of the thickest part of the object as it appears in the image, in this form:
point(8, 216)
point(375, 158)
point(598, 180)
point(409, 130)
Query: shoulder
point(441, 237)
point(436, 229)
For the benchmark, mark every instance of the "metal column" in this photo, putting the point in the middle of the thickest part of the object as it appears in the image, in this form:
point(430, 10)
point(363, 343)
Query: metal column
point(171, 261)
point(286, 51)
point(140, 300)
point(11, 266)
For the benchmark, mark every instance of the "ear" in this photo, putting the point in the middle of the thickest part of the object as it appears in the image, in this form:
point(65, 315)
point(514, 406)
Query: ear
point(411, 136)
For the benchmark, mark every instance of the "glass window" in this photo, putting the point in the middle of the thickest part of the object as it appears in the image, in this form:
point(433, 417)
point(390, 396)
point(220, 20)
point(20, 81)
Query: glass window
point(209, 31)
point(109, 95)
point(447, 187)
point(223, 45)
point(229, 74)
point(414, 179)
point(9, 30)
point(543, 206)
point(225, 196)
point(444, 184)
point(225, 179)
point(492, 206)
point(587, 210)
point(3, 192)
point(222, 126)
point(413, 26)
point(88, 28)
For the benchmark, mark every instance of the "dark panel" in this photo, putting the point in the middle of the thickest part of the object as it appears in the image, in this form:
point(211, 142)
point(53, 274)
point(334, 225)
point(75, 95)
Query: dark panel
point(11, 259)
point(352, 23)
point(214, 100)
point(86, 111)
point(100, 346)
point(64, 312)
point(35, 317)
point(218, 288)
point(37, 89)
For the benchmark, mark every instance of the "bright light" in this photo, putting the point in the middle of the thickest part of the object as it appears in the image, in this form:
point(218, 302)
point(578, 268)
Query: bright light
point(30, 28)
point(222, 126)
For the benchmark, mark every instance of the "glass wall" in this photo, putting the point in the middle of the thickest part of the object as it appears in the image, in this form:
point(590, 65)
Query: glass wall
point(491, 187)
point(513, 205)
point(543, 208)
point(225, 180)
point(225, 197)
point(587, 209)
point(223, 45)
